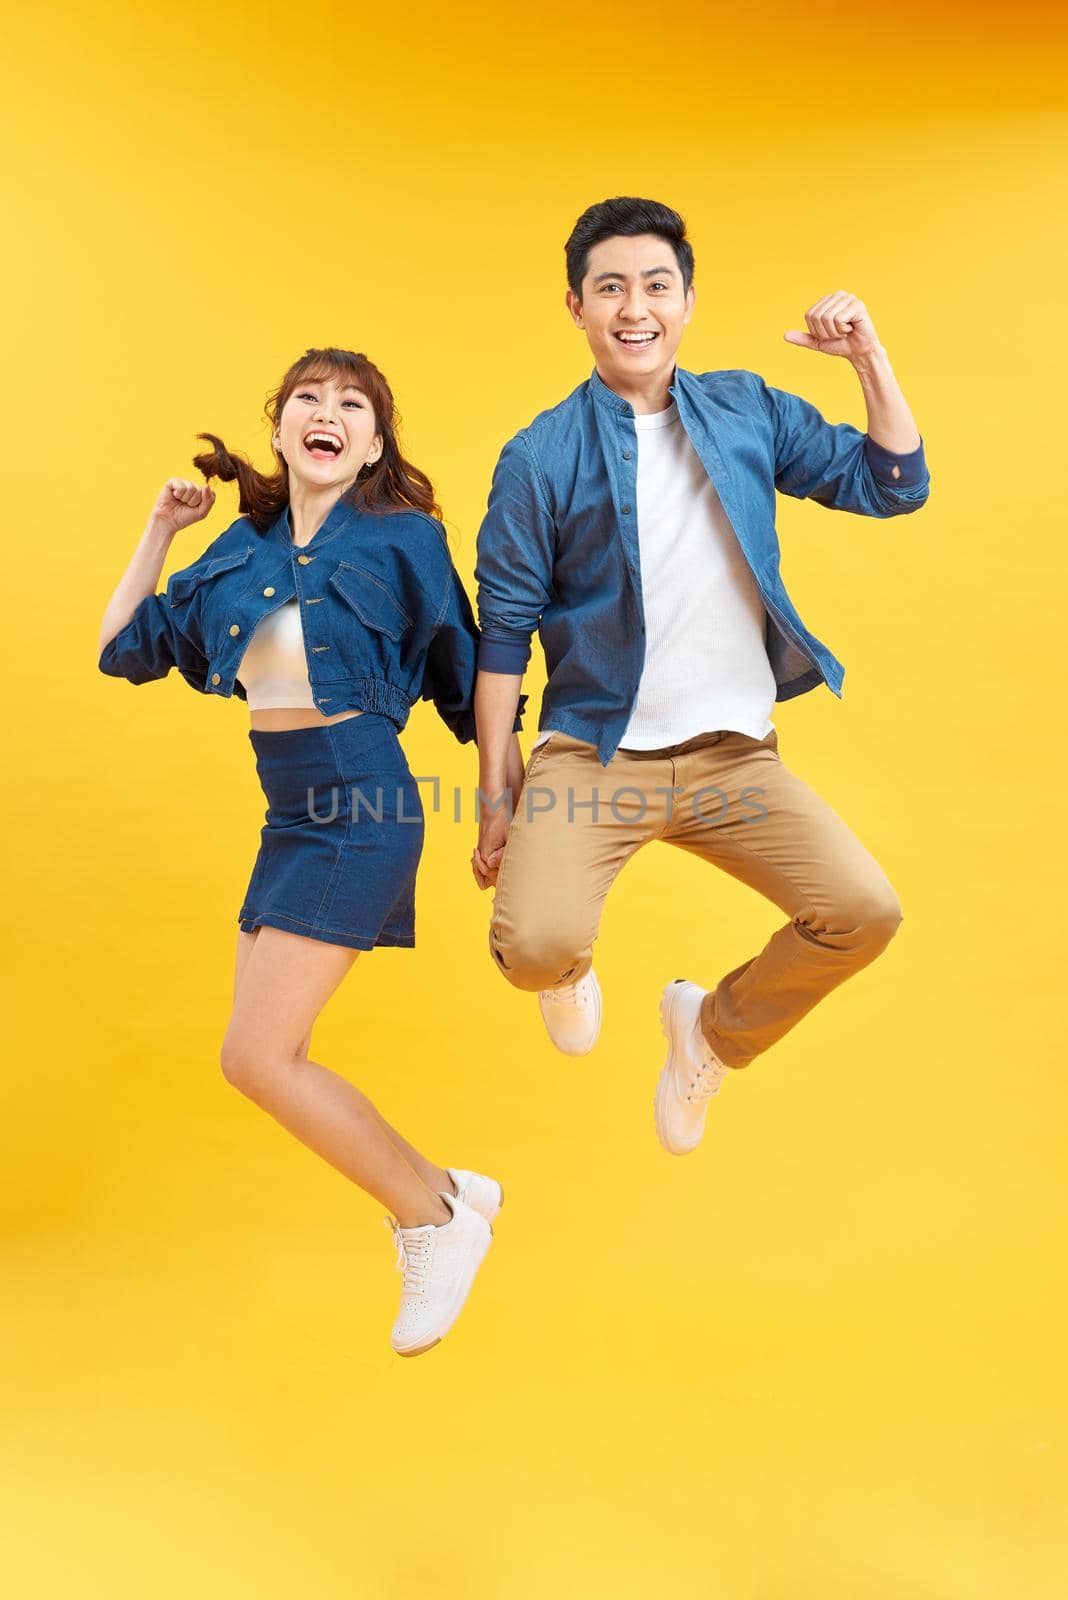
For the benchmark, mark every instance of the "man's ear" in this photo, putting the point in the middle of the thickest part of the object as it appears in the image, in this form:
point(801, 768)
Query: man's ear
point(574, 305)
point(691, 297)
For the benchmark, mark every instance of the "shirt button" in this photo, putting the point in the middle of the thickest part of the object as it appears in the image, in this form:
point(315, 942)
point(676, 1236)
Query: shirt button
point(626, 511)
point(234, 631)
point(302, 561)
point(627, 455)
point(215, 678)
point(267, 593)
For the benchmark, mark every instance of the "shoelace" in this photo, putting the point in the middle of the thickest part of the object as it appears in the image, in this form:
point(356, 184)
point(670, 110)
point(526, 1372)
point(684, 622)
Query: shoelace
point(413, 1258)
point(705, 1081)
point(567, 996)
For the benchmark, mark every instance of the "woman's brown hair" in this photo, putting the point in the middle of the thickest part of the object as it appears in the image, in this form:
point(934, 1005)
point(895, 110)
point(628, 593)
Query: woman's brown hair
point(389, 484)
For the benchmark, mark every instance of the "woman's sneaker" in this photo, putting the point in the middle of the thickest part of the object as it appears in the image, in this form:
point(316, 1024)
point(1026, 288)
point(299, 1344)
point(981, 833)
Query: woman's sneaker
point(572, 1014)
point(484, 1195)
point(692, 1073)
point(439, 1263)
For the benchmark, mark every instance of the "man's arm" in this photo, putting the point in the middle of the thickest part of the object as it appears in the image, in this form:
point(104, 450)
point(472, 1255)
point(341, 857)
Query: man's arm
point(880, 473)
point(890, 422)
point(513, 569)
point(450, 674)
point(500, 768)
point(514, 563)
point(837, 465)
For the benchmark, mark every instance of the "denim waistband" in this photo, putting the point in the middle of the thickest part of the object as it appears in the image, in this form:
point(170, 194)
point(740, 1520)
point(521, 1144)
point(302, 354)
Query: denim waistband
point(309, 740)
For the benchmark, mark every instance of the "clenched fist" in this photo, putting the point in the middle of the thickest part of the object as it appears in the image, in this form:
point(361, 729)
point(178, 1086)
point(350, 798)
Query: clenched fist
point(180, 504)
point(838, 325)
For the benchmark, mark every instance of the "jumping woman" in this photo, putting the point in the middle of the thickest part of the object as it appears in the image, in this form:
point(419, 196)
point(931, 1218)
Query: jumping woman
point(330, 606)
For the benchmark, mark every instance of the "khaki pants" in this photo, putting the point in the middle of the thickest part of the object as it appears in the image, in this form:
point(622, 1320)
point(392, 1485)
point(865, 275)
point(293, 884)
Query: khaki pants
point(730, 800)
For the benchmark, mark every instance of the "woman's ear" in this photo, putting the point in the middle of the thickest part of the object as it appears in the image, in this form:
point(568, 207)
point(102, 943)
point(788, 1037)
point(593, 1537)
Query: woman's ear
point(375, 451)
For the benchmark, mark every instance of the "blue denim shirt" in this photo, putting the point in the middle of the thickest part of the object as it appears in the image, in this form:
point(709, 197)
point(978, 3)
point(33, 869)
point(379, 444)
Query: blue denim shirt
point(385, 616)
point(558, 547)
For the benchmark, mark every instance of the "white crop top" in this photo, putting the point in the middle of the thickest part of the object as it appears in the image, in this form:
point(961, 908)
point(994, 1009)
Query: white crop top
point(274, 668)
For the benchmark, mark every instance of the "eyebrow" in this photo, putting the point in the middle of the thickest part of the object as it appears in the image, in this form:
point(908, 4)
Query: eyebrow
point(653, 272)
point(344, 388)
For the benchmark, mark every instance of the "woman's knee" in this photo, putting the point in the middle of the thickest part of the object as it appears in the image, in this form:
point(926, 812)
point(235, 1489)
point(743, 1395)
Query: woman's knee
point(236, 1062)
point(246, 1066)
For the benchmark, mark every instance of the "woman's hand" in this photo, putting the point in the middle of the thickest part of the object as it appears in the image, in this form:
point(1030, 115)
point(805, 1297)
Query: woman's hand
point(495, 822)
point(492, 838)
point(180, 504)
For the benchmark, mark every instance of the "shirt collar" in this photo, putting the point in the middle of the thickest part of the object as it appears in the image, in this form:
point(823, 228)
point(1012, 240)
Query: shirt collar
point(614, 402)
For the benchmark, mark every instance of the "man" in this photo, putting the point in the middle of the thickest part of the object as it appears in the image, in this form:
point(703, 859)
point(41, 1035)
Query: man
point(633, 525)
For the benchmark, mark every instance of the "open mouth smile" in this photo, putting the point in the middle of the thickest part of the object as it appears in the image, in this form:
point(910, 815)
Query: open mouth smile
point(322, 446)
point(643, 340)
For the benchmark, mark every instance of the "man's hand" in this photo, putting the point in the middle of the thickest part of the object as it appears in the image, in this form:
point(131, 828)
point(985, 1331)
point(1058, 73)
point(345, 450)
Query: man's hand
point(839, 325)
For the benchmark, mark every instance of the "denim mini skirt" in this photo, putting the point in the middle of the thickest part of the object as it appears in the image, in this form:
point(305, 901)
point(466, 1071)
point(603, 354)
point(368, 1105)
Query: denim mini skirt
point(343, 835)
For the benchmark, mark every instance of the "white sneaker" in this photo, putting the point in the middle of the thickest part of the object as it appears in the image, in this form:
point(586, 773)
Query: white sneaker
point(573, 1014)
point(439, 1263)
point(484, 1195)
point(692, 1073)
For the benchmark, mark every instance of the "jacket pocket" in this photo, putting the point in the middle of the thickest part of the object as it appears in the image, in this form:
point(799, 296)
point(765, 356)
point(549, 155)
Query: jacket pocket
point(371, 600)
point(183, 584)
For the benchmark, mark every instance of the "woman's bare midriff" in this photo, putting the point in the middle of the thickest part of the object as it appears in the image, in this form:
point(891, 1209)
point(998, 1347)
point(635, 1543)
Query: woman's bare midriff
point(283, 718)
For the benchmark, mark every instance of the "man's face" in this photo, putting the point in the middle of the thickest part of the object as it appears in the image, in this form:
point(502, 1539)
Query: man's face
point(633, 308)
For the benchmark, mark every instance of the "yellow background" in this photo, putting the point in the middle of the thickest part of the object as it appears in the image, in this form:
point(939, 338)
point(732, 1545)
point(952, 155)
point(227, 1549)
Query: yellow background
point(824, 1356)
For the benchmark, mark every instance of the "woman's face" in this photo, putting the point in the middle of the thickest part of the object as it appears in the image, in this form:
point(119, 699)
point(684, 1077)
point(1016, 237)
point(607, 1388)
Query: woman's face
point(326, 432)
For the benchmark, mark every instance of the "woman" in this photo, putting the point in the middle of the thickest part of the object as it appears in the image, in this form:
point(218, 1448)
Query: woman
point(330, 605)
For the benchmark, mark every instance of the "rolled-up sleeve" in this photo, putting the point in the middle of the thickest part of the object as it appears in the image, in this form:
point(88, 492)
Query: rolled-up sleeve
point(151, 644)
point(514, 565)
point(452, 663)
point(836, 464)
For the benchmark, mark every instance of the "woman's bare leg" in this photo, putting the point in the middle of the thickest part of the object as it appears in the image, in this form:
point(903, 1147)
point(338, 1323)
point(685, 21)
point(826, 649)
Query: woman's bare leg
point(245, 943)
point(283, 983)
point(435, 1177)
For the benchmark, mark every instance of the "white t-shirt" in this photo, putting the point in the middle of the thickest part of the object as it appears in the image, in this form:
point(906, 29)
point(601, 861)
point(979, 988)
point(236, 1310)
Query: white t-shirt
point(706, 661)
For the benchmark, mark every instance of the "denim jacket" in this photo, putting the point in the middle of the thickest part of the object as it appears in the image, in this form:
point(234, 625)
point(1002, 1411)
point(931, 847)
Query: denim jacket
point(558, 548)
point(385, 616)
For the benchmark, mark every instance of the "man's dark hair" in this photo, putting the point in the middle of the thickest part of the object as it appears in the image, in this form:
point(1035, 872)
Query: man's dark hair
point(627, 216)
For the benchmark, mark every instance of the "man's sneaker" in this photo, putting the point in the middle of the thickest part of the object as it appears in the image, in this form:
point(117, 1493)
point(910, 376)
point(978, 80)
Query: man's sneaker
point(439, 1265)
point(573, 1014)
point(484, 1195)
point(692, 1073)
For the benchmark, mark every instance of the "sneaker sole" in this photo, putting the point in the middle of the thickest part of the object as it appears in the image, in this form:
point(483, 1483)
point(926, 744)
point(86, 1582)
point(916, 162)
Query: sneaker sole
point(667, 1009)
point(459, 1301)
point(420, 1350)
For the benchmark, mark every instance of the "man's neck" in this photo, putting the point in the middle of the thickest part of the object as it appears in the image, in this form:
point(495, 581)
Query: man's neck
point(648, 394)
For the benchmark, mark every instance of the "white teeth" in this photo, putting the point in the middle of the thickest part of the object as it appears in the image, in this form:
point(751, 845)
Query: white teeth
point(636, 338)
point(323, 438)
